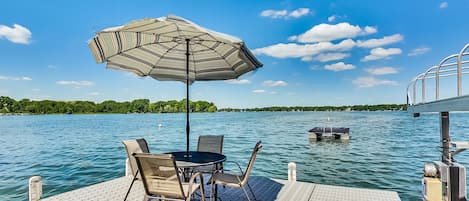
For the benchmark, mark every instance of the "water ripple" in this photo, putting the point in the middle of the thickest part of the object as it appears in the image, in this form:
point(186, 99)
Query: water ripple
point(387, 149)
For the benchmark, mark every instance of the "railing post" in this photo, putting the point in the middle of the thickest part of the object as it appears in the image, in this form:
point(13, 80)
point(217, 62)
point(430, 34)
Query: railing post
point(460, 69)
point(35, 188)
point(415, 92)
point(423, 89)
point(437, 82)
point(291, 171)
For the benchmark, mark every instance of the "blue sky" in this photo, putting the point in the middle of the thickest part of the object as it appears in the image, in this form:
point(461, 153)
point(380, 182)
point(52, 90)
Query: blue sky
point(314, 52)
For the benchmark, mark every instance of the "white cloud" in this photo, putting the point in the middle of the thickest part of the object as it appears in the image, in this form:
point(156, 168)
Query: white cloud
point(17, 34)
point(418, 51)
point(236, 81)
point(381, 53)
point(272, 83)
point(328, 32)
point(444, 5)
point(340, 66)
point(258, 91)
point(299, 12)
point(15, 78)
point(307, 58)
point(75, 83)
point(381, 70)
point(273, 92)
point(276, 14)
point(372, 43)
point(95, 93)
point(331, 56)
point(369, 30)
point(331, 18)
point(366, 82)
point(292, 50)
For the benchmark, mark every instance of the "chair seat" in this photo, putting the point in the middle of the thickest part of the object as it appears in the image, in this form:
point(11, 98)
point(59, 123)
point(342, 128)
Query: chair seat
point(175, 194)
point(225, 179)
point(207, 169)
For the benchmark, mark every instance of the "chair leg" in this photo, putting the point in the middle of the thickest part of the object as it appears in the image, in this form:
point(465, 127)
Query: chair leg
point(252, 192)
point(202, 193)
point(245, 193)
point(211, 190)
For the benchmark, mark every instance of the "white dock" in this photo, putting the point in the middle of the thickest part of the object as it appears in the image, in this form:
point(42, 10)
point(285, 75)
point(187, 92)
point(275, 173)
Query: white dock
point(265, 189)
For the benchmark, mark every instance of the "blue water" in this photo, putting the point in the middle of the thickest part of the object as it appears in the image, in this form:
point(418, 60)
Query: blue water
point(387, 149)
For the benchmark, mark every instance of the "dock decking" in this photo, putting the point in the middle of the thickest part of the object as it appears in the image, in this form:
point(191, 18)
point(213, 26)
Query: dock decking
point(265, 189)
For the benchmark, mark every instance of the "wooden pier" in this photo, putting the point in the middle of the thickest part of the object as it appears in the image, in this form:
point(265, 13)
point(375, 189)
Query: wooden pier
point(265, 189)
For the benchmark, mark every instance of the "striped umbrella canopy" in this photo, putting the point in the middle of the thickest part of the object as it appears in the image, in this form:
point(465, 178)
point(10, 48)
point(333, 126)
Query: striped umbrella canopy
point(173, 48)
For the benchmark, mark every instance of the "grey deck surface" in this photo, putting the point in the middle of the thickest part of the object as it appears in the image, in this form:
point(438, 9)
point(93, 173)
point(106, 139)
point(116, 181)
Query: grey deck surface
point(265, 189)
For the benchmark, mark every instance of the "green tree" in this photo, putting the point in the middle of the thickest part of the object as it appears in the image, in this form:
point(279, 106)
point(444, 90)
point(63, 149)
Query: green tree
point(8, 104)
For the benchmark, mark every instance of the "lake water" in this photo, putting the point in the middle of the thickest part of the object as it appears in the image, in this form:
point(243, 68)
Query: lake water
point(387, 149)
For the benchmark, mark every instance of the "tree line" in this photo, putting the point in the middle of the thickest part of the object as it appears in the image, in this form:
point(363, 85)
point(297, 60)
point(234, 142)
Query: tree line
point(381, 107)
point(10, 105)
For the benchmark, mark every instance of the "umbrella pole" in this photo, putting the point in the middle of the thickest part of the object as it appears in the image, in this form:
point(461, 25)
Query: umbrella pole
point(187, 98)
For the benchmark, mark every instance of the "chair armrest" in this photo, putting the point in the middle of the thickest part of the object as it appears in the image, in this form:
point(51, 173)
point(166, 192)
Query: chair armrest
point(237, 164)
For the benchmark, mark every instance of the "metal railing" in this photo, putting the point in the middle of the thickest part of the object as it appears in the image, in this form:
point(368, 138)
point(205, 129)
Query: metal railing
point(444, 69)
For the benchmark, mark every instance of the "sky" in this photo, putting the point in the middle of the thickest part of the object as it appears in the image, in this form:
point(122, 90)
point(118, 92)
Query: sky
point(342, 52)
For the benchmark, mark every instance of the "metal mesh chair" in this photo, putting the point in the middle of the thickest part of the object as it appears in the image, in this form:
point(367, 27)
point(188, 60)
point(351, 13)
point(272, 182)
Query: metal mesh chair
point(210, 143)
point(235, 180)
point(135, 146)
point(161, 178)
point(131, 147)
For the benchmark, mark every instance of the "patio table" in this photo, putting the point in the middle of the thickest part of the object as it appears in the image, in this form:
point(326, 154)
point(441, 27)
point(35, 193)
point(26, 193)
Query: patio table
point(197, 159)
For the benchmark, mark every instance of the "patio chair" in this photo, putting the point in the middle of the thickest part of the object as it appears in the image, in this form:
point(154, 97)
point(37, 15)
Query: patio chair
point(210, 143)
point(161, 178)
point(234, 180)
point(135, 146)
point(131, 147)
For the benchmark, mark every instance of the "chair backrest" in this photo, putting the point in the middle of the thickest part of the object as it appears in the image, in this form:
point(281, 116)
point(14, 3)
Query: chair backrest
point(135, 146)
point(248, 170)
point(160, 175)
point(210, 143)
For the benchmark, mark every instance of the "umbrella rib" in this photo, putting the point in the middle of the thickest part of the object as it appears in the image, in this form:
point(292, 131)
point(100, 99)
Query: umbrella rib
point(163, 35)
point(221, 56)
point(136, 47)
point(167, 51)
point(156, 28)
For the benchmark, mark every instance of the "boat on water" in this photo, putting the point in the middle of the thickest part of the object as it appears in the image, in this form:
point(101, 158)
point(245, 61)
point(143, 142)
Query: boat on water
point(444, 179)
point(329, 133)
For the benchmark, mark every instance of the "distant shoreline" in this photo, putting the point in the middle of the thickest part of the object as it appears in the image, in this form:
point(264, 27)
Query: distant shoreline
point(9, 106)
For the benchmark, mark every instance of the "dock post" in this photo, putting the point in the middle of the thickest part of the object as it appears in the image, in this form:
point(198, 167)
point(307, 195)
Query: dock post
point(291, 171)
point(35, 188)
point(128, 171)
point(445, 138)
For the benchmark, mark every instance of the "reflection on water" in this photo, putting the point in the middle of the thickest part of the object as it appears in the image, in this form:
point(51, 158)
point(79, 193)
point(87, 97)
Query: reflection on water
point(387, 150)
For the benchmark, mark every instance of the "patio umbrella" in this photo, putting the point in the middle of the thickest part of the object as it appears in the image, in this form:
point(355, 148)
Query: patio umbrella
point(173, 48)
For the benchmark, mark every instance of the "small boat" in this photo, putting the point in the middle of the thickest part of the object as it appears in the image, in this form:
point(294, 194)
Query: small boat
point(332, 133)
